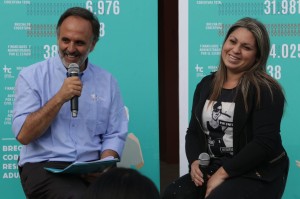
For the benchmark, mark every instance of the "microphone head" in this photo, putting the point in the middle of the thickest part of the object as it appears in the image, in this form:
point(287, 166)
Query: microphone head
point(204, 159)
point(73, 68)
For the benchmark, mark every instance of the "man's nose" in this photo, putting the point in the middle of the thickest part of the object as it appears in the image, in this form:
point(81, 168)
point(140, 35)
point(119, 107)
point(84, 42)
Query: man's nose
point(71, 47)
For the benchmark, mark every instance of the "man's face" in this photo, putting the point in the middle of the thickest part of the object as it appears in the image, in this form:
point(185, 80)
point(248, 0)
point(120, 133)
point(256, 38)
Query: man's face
point(75, 41)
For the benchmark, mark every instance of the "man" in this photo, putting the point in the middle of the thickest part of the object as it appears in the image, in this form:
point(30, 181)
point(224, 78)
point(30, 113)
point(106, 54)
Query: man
point(42, 120)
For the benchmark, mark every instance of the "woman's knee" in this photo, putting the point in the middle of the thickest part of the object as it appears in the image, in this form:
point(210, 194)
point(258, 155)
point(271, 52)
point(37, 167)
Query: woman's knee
point(182, 188)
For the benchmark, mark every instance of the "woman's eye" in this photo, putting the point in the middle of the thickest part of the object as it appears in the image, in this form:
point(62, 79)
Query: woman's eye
point(247, 48)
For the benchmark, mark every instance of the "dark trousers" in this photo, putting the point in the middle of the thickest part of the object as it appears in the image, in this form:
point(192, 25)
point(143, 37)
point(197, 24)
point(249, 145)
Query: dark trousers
point(184, 188)
point(234, 188)
point(38, 183)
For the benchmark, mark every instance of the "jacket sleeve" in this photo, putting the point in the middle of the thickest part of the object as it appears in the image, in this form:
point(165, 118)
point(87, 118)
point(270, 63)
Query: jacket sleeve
point(265, 142)
point(195, 138)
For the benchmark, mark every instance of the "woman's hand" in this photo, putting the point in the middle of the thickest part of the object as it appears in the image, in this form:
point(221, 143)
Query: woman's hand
point(196, 174)
point(215, 180)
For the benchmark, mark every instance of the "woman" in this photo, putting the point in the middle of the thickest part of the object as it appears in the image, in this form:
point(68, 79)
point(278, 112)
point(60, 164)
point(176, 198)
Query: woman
point(247, 159)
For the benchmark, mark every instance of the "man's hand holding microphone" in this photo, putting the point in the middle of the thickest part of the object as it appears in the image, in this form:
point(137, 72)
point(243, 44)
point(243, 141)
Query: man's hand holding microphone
point(71, 88)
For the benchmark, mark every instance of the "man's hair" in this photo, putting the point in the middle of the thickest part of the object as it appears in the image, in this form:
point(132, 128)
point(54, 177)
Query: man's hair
point(85, 14)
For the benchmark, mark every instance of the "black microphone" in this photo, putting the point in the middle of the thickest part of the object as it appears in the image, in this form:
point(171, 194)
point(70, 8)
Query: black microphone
point(73, 70)
point(204, 160)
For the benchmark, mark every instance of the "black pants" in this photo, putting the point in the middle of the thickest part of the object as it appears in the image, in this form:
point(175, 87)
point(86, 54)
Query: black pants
point(234, 188)
point(38, 183)
point(184, 188)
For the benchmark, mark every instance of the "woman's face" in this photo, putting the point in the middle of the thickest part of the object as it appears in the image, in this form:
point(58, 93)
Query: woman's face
point(239, 51)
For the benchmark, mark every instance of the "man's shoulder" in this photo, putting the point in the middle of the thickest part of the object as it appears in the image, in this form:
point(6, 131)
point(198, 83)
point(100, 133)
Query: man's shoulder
point(99, 71)
point(40, 66)
point(37, 64)
point(33, 68)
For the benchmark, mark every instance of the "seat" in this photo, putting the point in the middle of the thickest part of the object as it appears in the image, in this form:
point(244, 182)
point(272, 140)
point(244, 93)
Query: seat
point(132, 156)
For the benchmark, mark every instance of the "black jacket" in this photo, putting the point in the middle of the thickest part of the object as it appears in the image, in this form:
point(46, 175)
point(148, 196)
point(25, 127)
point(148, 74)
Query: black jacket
point(258, 150)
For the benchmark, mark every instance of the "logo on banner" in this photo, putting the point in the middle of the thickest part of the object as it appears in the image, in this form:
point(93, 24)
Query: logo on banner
point(202, 71)
point(199, 71)
point(6, 69)
point(7, 72)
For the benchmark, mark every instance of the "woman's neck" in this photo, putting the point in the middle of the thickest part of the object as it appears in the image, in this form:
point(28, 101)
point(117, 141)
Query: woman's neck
point(232, 81)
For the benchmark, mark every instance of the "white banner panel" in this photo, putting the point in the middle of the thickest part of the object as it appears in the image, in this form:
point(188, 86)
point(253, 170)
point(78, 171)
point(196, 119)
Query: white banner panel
point(202, 28)
point(127, 48)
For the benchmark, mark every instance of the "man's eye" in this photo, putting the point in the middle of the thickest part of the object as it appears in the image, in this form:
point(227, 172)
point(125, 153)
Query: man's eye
point(65, 40)
point(80, 43)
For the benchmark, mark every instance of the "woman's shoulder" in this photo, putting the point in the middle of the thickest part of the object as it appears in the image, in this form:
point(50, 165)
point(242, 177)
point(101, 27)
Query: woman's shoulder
point(207, 79)
point(204, 84)
point(268, 92)
point(271, 87)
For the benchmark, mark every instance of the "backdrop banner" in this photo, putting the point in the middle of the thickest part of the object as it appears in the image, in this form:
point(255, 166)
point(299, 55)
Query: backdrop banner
point(202, 28)
point(127, 48)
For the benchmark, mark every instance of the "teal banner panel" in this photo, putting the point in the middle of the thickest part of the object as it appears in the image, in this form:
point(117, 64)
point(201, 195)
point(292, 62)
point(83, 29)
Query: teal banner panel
point(127, 48)
point(208, 22)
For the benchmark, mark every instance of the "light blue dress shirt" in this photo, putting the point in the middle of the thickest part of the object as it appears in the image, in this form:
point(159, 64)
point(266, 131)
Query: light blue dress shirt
point(101, 122)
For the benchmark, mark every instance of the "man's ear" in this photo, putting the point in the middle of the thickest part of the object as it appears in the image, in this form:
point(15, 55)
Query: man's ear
point(93, 46)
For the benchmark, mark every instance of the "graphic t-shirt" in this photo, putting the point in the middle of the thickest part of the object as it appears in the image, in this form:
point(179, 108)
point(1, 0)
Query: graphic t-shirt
point(217, 120)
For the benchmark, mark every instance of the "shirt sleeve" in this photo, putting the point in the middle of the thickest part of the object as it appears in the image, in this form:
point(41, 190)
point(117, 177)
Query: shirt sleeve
point(115, 136)
point(26, 101)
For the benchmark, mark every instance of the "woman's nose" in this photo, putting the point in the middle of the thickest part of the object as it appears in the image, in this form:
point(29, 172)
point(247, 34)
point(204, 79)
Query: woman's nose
point(236, 49)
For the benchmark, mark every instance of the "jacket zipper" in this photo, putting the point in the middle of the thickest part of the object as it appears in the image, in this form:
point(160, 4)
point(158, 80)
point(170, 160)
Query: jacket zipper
point(277, 158)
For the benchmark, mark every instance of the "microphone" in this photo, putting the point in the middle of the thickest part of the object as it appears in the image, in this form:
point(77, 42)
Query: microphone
point(73, 70)
point(204, 160)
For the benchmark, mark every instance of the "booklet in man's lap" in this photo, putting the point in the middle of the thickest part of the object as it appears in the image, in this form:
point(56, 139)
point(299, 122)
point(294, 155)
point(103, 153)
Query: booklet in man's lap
point(85, 167)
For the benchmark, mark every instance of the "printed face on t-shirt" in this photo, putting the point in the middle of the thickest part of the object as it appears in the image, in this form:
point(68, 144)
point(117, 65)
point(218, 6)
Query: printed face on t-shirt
point(217, 118)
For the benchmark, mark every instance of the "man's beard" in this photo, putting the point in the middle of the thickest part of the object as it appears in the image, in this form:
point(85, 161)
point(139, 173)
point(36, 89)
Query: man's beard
point(65, 54)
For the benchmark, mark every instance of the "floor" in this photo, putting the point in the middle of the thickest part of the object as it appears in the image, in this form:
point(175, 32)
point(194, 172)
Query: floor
point(168, 173)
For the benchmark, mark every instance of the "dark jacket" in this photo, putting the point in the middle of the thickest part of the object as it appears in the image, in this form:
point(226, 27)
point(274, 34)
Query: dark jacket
point(258, 150)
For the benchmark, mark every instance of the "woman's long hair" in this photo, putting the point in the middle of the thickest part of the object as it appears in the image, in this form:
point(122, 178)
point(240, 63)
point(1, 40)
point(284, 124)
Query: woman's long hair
point(255, 75)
